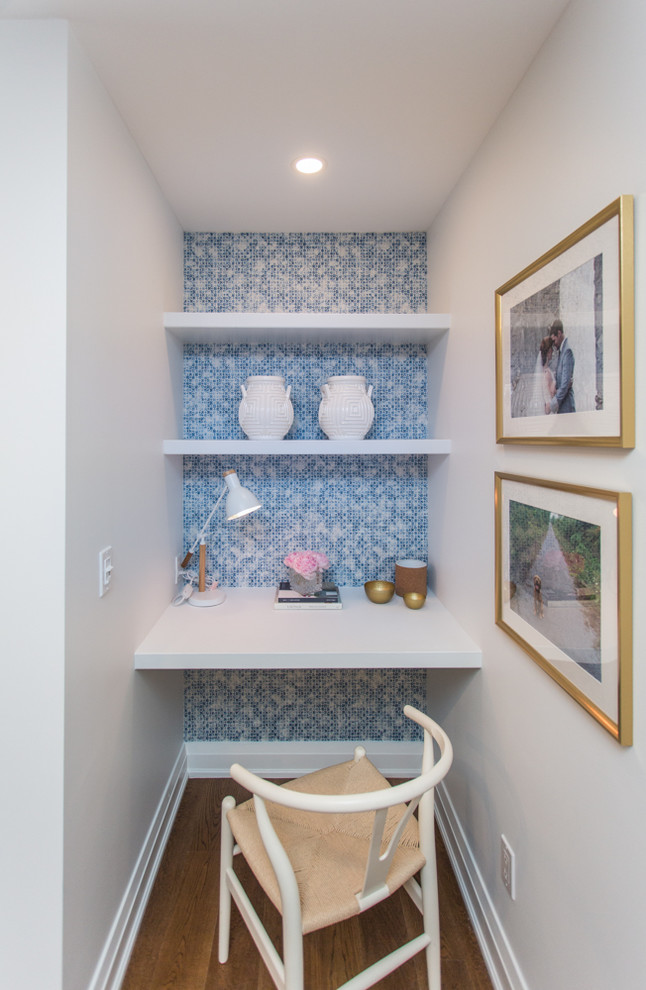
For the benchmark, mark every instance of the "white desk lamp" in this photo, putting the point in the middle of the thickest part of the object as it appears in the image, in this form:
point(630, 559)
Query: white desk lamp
point(240, 502)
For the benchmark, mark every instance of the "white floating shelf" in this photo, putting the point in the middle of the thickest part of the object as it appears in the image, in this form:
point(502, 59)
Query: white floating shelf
point(246, 632)
point(351, 328)
point(292, 447)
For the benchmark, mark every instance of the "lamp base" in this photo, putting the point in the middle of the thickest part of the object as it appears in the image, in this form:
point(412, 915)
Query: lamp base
point(203, 599)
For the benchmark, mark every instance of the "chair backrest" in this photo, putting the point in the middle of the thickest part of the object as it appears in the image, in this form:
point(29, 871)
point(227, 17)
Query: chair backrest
point(379, 801)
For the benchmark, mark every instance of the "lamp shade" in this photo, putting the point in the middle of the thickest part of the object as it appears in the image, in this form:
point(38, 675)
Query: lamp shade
point(240, 501)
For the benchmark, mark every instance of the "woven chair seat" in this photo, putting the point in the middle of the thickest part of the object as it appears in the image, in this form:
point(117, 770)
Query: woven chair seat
point(328, 852)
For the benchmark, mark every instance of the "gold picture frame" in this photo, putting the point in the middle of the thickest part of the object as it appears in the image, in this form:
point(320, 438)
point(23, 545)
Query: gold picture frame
point(583, 391)
point(564, 589)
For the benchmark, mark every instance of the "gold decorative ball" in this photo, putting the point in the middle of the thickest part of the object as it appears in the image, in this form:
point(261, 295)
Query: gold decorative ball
point(413, 599)
point(379, 592)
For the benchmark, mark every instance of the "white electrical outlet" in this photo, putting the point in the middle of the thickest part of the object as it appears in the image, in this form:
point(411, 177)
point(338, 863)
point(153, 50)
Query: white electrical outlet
point(508, 867)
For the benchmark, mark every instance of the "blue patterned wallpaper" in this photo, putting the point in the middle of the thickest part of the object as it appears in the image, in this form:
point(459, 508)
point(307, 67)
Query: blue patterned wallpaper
point(364, 512)
point(305, 273)
point(253, 705)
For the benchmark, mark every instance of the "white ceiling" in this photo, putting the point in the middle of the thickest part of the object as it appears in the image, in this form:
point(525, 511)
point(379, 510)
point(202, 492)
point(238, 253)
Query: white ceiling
point(222, 95)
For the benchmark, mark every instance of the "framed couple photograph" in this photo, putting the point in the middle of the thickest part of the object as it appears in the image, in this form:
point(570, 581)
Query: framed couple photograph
point(564, 589)
point(565, 340)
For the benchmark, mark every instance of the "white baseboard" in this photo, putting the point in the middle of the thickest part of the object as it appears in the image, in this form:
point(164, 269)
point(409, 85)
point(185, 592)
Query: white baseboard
point(498, 955)
point(290, 759)
point(113, 961)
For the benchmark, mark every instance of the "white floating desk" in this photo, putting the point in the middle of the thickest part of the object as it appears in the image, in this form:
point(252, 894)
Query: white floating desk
point(246, 632)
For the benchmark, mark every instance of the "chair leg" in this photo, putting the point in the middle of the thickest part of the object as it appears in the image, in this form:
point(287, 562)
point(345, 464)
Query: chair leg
point(226, 863)
point(428, 884)
point(292, 955)
point(431, 925)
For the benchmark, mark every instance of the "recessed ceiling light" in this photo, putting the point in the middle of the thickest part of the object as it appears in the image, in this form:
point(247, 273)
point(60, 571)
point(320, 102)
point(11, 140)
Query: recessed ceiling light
point(309, 165)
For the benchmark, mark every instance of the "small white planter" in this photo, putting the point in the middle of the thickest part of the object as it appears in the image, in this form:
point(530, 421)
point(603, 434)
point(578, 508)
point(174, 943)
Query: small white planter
point(346, 411)
point(266, 411)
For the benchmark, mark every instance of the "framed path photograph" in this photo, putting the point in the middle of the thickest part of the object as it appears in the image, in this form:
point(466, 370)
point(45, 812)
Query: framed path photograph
point(564, 589)
point(565, 340)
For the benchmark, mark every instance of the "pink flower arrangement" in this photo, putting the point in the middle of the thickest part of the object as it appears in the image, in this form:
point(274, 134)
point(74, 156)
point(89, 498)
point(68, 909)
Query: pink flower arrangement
point(307, 562)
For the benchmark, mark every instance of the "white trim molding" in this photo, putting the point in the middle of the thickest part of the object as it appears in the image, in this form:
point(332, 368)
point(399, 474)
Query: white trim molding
point(498, 955)
point(291, 759)
point(111, 967)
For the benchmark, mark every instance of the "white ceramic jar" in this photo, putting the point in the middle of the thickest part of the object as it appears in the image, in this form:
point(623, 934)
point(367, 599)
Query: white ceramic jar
point(346, 411)
point(266, 411)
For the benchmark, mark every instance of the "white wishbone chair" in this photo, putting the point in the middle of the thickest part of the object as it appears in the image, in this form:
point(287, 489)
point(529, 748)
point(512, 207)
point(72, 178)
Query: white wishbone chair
point(330, 845)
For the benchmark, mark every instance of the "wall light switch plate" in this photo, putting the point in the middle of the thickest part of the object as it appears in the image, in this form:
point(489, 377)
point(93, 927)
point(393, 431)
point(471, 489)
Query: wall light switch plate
point(105, 571)
point(508, 867)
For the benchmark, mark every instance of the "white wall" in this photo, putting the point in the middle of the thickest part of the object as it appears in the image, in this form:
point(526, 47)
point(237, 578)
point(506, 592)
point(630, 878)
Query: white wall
point(530, 763)
point(33, 110)
point(90, 257)
point(123, 730)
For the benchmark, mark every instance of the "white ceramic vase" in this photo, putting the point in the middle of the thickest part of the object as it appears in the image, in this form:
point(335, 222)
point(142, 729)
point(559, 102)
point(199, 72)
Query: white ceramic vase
point(266, 411)
point(346, 411)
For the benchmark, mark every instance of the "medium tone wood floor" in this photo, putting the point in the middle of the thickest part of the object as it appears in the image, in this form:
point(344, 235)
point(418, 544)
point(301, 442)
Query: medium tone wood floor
point(176, 948)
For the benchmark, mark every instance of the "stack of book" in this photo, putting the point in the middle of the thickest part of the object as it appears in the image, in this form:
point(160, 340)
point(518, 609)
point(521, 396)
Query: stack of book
point(328, 597)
